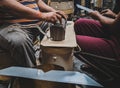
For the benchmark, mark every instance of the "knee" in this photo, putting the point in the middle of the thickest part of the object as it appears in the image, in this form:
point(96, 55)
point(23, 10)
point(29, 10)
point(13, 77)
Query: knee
point(81, 21)
point(19, 40)
point(79, 25)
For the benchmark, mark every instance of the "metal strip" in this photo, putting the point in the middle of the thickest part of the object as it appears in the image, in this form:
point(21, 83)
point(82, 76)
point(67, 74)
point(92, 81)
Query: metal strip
point(84, 8)
point(53, 75)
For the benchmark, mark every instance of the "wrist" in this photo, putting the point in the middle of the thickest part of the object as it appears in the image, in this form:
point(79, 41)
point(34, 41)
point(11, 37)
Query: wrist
point(41, 16)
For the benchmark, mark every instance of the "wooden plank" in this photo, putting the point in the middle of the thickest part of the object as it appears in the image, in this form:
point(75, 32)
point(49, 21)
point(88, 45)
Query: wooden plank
point(70, 39)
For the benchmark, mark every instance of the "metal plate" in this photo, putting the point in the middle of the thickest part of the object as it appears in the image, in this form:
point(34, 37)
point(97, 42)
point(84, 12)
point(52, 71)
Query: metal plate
point(53, 75)
point(84, 8)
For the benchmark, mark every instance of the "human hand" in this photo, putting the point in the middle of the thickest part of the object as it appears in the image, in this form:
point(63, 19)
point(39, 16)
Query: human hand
point(53, 16)
point(108, 13)
point(62, 14)
point(95, 14)
point(50, 16)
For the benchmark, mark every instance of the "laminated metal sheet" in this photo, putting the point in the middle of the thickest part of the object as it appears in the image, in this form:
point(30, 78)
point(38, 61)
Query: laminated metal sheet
point(52, 75)
point(84, 8)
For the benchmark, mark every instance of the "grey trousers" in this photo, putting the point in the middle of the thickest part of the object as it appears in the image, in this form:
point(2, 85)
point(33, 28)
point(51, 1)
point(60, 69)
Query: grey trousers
point(19, 43)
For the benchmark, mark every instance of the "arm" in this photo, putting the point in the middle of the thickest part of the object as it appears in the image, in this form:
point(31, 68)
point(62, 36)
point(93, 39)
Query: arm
point(109, 13)
point(102, 19)
point(46, 8)
point(20, 10)
point(25, 12)
point(109, 22)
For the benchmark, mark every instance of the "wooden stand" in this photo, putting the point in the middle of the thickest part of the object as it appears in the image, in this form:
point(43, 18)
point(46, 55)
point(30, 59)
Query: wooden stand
point(60, 52)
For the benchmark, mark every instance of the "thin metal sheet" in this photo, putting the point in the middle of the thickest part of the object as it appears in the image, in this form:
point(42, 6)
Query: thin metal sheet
point(53, 75)
point(84, 8)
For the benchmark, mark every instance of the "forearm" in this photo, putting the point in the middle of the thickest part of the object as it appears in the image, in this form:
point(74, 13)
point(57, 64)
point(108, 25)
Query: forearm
point(44, 7)
point(109, 21)
point(112, 24)
point(108, 13)
point(20, 10)
point(106, 20)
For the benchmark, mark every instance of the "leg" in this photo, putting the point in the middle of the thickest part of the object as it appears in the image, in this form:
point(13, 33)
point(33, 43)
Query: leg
point(90, 27)
point(92, 37)
point(19, 44)
point(97, 46)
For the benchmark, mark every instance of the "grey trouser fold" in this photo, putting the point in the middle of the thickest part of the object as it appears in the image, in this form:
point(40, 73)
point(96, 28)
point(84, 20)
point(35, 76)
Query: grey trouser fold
point(19, 43)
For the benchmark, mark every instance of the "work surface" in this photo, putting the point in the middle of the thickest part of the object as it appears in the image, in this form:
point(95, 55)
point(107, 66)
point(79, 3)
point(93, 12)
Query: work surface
point(70, 39)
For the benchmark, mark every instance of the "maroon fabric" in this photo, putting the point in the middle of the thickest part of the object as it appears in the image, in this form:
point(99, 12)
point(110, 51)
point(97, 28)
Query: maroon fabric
point(94, 38)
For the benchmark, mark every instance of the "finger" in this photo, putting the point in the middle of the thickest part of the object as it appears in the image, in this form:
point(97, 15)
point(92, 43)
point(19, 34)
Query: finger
point(92, 12)
point(104, 11)
point(59, 18)
point(105, 14)
point(62, 14)
point(53, 19)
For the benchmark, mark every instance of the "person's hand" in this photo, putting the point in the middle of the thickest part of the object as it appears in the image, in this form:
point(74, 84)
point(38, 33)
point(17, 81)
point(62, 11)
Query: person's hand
point(62, 14)
point(53, 16)
point(95, 14)
point(50, 16)
point(108, 13)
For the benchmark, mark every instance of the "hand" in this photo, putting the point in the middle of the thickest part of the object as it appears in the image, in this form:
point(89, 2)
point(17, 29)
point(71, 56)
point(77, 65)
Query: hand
point(50, 16)
point(53, 16)
point(95, 14)
point(62, 14)
point(108, 13)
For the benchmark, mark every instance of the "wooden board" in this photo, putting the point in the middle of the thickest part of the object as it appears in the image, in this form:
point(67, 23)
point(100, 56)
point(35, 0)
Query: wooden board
point(70, 38)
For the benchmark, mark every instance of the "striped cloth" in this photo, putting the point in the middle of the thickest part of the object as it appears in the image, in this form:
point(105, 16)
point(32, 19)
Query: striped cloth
point(6, 17)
